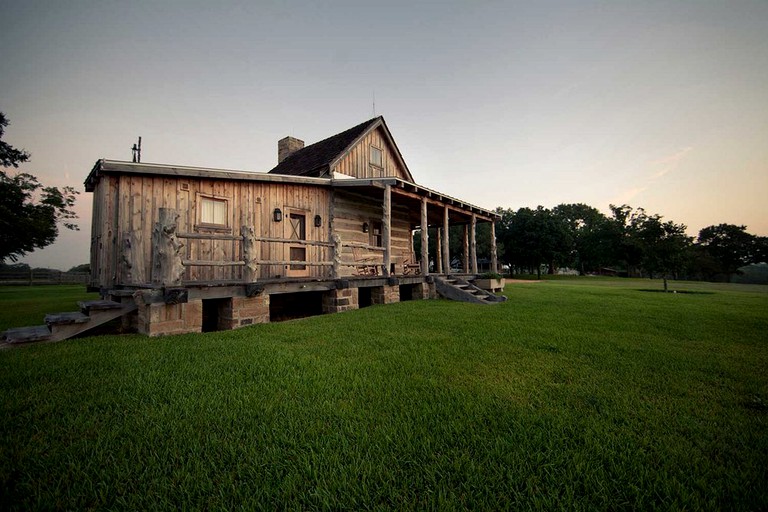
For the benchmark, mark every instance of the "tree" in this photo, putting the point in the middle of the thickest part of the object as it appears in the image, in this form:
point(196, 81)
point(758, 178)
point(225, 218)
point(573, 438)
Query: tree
point(588, 234)
point(730, 247)
point(531, 238)
point(664, 245)
point(29, 212)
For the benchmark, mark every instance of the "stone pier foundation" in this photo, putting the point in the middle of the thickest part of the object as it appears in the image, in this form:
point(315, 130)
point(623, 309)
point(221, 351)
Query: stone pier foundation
point(336, 301)
point(385, 294)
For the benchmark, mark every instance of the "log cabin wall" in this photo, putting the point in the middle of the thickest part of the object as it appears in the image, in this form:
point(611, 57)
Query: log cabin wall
point(136, 204)
point(351, 210)
point(357, 162)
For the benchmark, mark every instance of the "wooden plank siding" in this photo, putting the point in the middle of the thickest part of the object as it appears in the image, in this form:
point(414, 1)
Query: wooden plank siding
point(126, 208)
point(357, 162)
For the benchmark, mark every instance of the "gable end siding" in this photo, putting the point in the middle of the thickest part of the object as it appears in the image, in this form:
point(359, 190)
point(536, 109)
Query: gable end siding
point(357, 162)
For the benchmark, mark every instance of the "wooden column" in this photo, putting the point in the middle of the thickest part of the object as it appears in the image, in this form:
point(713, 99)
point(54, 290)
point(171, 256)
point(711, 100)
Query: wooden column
point(336, 255)
point(494, 262)
point(439, 249)
point(424, 238)
point(473, 244)
point(446, 242)
point(465, 259)
point(250, 254)
point(386, 222)
point(167, 268)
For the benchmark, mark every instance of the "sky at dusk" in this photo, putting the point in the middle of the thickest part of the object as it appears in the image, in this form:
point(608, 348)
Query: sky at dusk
point(660, 105)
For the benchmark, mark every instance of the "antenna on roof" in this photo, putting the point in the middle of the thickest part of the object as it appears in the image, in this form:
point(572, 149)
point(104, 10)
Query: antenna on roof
point(374, 103)
point(136, 149)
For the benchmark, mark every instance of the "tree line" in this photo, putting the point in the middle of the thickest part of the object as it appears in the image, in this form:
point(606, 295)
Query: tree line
point(629, 241)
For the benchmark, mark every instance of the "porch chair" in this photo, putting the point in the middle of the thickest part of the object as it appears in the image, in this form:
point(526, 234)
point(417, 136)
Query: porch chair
point(365, 265)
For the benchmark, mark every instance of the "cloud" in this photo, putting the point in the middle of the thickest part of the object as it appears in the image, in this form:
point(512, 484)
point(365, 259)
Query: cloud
point(669, 163)
point(658, 169)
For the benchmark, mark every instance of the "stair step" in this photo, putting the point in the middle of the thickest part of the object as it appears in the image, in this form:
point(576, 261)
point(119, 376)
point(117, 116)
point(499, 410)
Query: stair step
point(98, 305)
point(73, 317)
point(27, 334)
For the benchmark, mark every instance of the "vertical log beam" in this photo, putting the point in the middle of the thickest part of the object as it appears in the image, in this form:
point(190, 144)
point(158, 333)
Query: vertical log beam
point(167, 268)
point(494, 261)
point(336, 255)
point(473, 244)
point(250, 254)
point(446, 242)
point(465, 258)
point(386, 224)
point(424, 238)
point(439, 249)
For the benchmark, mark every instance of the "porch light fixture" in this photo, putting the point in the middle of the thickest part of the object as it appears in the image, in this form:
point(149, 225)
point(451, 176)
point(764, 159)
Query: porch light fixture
point(318, 221)
point(365, 227)
point(277, 215)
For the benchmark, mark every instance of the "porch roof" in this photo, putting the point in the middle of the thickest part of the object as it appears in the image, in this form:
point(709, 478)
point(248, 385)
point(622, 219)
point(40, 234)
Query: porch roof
point(405, 188)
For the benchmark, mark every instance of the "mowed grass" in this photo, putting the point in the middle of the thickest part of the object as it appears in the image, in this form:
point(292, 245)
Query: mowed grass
point(21, 306)
point(578, 394)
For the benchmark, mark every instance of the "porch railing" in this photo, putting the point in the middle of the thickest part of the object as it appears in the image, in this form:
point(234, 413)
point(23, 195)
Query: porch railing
point(169, 266)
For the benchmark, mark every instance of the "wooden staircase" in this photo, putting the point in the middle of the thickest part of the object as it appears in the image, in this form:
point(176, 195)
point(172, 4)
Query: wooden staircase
point(455, 288)
point(60, 326)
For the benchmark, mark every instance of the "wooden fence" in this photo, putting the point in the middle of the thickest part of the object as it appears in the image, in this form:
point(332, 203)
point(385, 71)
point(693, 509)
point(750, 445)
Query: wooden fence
point(39, 277)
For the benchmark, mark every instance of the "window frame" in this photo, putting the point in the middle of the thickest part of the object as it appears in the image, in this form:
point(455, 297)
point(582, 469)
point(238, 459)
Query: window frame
point(376, 239)
point(199, 201)
point(380, 164)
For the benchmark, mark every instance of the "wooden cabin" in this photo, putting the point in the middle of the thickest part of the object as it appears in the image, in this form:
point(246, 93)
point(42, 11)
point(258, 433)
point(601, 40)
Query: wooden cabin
point(330, 228)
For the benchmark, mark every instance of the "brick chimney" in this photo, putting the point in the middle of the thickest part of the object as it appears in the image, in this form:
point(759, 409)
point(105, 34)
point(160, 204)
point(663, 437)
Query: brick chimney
point(288, 146)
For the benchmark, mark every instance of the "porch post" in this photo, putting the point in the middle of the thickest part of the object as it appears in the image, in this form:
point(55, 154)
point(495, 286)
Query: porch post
point(465, 259)
point(167, 268)
point(473, 244)
point(249, 245)
point(494, 262)
point(424, 238)
point(336, 270)
point(446, 242)
point(439, 249)
point(385, 228)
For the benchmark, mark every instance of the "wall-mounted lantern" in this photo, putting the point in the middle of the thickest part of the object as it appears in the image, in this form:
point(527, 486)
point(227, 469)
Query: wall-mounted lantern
point(318, 221)
point(365, 227)
point(277, 215)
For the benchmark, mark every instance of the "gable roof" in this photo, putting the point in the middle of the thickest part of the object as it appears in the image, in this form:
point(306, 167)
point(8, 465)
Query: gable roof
point(316, 159)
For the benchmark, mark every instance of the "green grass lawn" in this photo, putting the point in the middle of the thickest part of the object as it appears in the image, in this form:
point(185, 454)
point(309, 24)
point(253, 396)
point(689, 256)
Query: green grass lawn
point(585, 394)
point(21, 306)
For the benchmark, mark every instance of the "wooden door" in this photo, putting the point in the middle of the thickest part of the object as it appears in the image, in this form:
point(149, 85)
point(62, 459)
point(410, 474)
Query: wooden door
point(297, 230)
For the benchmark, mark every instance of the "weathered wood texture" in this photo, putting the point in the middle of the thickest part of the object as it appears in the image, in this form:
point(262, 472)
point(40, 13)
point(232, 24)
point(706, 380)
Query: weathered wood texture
point(126, 207)
point(104, 234)
point(351, 211)
point(446, 242)
point(424, 237)
point(473, 244)
point(357, 162)
point(494, 258)
point(386, 231)
point(167, 267)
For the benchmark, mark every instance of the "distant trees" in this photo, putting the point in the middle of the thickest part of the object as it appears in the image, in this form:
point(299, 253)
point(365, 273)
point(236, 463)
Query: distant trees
point(629, 240)
point(29, 212)
point(727, 247)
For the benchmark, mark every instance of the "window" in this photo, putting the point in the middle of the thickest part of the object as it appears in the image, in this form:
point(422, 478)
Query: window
point(213, 211)
point(376, 238)
point(377, 158)
point(298, 226)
